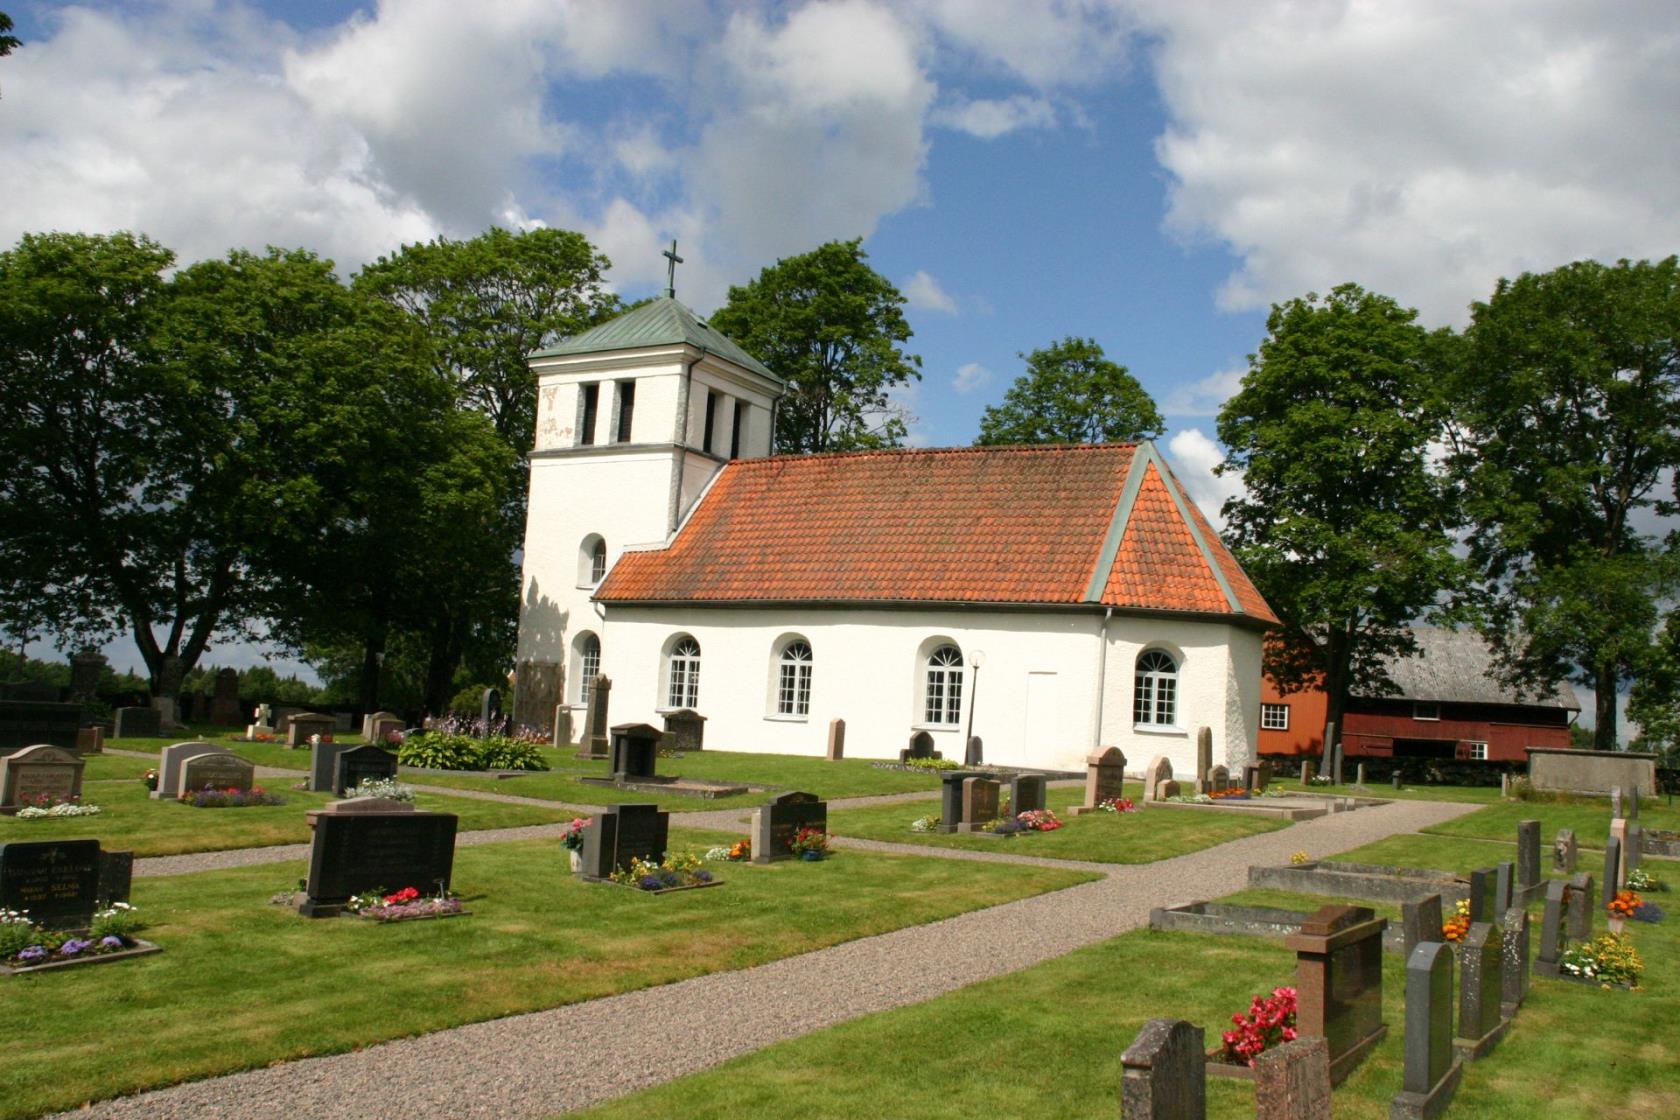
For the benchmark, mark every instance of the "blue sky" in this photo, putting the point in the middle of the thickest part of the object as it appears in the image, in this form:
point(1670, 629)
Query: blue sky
point(1149, 173)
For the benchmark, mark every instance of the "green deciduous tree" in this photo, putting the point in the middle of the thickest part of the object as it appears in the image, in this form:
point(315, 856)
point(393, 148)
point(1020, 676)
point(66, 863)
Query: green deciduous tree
point(1343, 526)
point(832, 328)
point(1071, 393)
point(8, 43)
point(1567, 415)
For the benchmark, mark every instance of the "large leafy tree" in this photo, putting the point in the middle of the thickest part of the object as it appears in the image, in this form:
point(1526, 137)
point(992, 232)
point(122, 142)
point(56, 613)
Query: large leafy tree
point(1072, 393)
point(488, 302)
point(832, 328)
point(1343, 526)
point(1567, 416)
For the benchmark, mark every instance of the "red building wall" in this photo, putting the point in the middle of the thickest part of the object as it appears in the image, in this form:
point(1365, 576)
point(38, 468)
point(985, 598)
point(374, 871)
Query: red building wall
point(1305, 734)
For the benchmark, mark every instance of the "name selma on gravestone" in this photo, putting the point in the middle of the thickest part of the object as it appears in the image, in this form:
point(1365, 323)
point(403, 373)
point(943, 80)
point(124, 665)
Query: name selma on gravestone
point(373, 845)
point(56, 881)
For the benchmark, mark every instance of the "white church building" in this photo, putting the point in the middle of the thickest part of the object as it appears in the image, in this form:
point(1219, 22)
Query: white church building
point(1045, 599)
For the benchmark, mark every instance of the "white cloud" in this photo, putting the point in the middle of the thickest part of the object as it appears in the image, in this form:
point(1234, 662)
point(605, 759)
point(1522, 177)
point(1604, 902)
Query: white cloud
point(970, 376)
point(990, 118)
point(1046, 43)
point(924, 293)
point(1424, 149)
point(1194, 456)
point(1203, 398)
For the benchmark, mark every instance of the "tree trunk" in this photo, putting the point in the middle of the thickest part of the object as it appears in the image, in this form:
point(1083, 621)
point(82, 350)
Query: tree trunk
point(1338, 662)
point(371, 651)
point(1604, 735)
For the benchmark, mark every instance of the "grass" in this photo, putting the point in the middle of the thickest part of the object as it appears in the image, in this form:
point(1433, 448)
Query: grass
point(242, 984)
point(849, 777)
point(1140, 837)
point(133, 821)
point(1047, 1040)
point(1485, 795)
point(1589, 817)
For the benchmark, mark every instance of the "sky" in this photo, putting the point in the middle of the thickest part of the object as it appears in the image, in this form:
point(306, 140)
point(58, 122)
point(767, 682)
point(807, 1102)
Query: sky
point(1149, 173)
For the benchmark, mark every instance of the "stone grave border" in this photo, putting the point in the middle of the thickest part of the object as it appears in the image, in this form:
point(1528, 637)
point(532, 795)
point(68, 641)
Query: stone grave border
point(1371, 881)
point(716, 882)
point(138, 949)
point(1224, 920)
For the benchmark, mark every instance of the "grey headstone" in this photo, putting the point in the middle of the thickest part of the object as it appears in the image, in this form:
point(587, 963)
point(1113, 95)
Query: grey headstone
point(1326, 764)
point(776, 823)
point(1337, 762)
point(1580, 907)
point(1219, 778)
point(1551, 928)
point(1431, 1071)
point(1564, 851)
point(921, 746)
point(323, 766)
point(1630, 849)
point(1420, 921)
point(1395, 778)
point(1481, 899)
point(1306, 771)
point(1528, 856)
point(490, 710)
point(1514, 961)
point(214, 770)
point(1159, 770)
point(1292, 1081)
point(1632, 804)
point(620, 833)
point(950, 798)
point(1504, 882)
point(685, 730)
point(170, 762)
point(1359, 775)
point(135, 723)
point(1026, 791)
point(1616, 803)
point(975, 755)
point(116, 877)
point(1504, 787)
point(1204, 758)
point(1612, 867)
point(1479, 1012)
point(1164, 1073)
point(365, 763)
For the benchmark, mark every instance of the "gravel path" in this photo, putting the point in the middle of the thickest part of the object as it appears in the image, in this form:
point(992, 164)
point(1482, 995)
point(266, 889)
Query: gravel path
point(539, 1064)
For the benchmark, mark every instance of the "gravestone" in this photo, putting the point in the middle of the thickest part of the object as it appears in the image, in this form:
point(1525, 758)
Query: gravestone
point(167, 713)
point(1612, 866)
point(1630, 848)
point(1431, 1070)
point(215, 770)
point(370, 732)
point(304, 726)
point(921, 746)
point(1395, 778)
point(1204, 759)
point(685, 730)
point(37, 772)
point(1219, 779)
point(621, 833)
point(1504, 882)
point(1159, 770)
point(1105, 777)
point(1616, 803)
point(224, 706)
point(836, 740)
point(323, 765)
point(1505, 787)
point(135, 723)
point(1564, 853)
point(1307, 771)
point(385, 728)
point(28, 723)
point(1359, 776)
point(1326, 764)
point(979, 803)
point(90, 740)
point(975, 755)
point(1336, 762)
point(86, 670)
point(1292, 1081)
point(1026, 792)
point(34, 692)
point(1632, 804)
point(170, 762)
point(1482, 886)
point(1580, 907)
point(1167, 789)
point(116, 877)
point(597, 738)
point(1513, 961)
point(374, 845)
point(1420, 921)
point(367, 763)
point(951, 798)
point(1480, 1021)
point(635, 751)
point(562, 727)
point(1338, 982)
point(1251, 779)
point(56, 881)
point(262, 722)
point(1163, 1073)
point(490, 712)
point(1551, 928)
point(779, 820)
point(1528, 859)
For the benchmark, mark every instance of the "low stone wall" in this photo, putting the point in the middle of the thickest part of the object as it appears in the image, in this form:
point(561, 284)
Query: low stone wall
point(1576, 771)
point(1248, 921)
point(1362, 880)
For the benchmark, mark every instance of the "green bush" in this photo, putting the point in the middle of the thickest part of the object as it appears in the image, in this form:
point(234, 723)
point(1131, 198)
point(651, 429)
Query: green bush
point(16, 936)
point(118, 920)
point(437, 750)
point(468, 702)
point(510, 754)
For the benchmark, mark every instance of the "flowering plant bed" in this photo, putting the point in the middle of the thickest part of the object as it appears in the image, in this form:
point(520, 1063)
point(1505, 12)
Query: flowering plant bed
point(45, 805)
point(1118, 805)
point(810, 844)
point(208, 798)
point(406, 905)
point(1033, 820)
point(26, 947)
point(150, 780)
point(1270, 1022)
point(1230, 793)
point(921, 764)
point(572, 838)
point(385, 789)
point(1609, 961)
point(90, 952)
point(677, 873)
point(1456, 927)
point(924, 824)
point(738, 852)
point(1640, 879)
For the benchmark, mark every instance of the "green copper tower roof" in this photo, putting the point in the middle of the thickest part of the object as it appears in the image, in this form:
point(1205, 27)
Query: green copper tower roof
point(659, 322)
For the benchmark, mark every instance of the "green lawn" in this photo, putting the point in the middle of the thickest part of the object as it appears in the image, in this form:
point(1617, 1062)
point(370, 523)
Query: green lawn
point(1047, 1041)
point(1485, 795)
point(849, 777)
point(109, 767)
point(1139, 837)
point(1589, 818)
point(242, 984)
point(133, 821)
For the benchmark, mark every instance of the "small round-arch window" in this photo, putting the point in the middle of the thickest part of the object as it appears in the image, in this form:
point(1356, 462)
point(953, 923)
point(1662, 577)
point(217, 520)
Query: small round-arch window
point(793, 680)
point(684, 691)
point(1155, 695)
point(598, 561)
point(944, 685)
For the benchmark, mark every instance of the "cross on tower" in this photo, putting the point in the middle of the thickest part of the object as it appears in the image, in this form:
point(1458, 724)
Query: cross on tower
point(671, 269)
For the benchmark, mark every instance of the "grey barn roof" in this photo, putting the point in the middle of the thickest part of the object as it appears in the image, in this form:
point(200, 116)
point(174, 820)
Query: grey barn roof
point(1456, 667)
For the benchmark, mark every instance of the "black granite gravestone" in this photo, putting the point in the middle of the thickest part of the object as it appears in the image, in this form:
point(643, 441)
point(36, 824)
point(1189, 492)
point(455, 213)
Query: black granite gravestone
point(635, 749)
point(323, 765)
point(950, 798)
point(921, 746)
point(136, 723)
point(1026, 791)
point(25, 724)
point(779, 821)
point(355, 851)
point(55, 881)
point(362, 764)
point(621, 833)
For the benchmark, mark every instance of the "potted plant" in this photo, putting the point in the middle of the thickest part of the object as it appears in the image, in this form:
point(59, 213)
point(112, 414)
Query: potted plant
point(1621, 908)
point(572, 841)
point(810, 844)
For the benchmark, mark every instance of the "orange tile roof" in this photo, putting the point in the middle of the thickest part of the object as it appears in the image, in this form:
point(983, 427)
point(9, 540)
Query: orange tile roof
point(1013, 525)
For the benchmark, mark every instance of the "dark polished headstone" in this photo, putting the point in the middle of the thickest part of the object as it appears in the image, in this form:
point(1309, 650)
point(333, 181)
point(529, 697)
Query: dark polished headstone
point(1612, 867)
point(635, 751)
point(1551, 928)
point(1528, 858)
point(778, 821)
point(1504, 881)
point(366, 763)
point(1420, 920)
point(1026, 791)
point(25, 723)
point(1481, 1022)
point(685, 730)
point(979, 803)
point(621, 833)
point(116, 877)
point(1580, 906)
point(323, 765)
point(170, 761)
point(55, 881)
point(950, 797)
point(366, 846)
point(1514, 960)
point(1431, 1068)
point(1338, 982)
point(136, 723)
point(975, 755)
point(1163, 1073)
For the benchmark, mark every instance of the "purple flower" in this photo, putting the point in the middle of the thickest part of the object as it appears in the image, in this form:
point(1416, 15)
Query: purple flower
point(73, 946)
point(651, 883)
point(702, 876)
point(33, 953)
point(111, 942)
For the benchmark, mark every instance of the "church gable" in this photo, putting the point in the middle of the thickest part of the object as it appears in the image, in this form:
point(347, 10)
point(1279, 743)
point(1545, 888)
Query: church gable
point(1099, 525)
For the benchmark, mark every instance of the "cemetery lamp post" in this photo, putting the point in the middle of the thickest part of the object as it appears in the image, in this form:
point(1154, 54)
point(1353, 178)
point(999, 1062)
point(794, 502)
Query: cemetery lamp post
point(977, 660)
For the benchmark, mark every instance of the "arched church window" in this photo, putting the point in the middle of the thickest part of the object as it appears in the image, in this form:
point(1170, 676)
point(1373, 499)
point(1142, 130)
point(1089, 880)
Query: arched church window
point(598, 561)
point(1155, 695)
point(589, 666)
point(684, 691)
point(944, 685)
point(793, 680)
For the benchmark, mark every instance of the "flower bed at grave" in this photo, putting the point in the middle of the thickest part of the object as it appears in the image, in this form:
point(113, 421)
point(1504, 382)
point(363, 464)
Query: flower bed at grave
point(209, 798)
point(572, 838)
point(150, 780)
point(922, 764)
point(675, 873)
point(1033, 820)
point(1118, 805)
point(924, 824)
point(403, 906)
point(1229, 793)
point(385, 789)
point(1609, 961)
point(44, 805)
point(738, 852)
point(1457, 927)
point(1270, 1022)
point(25, 945)
point(810, 844)
point(1623, 904)
point(1640, 879)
